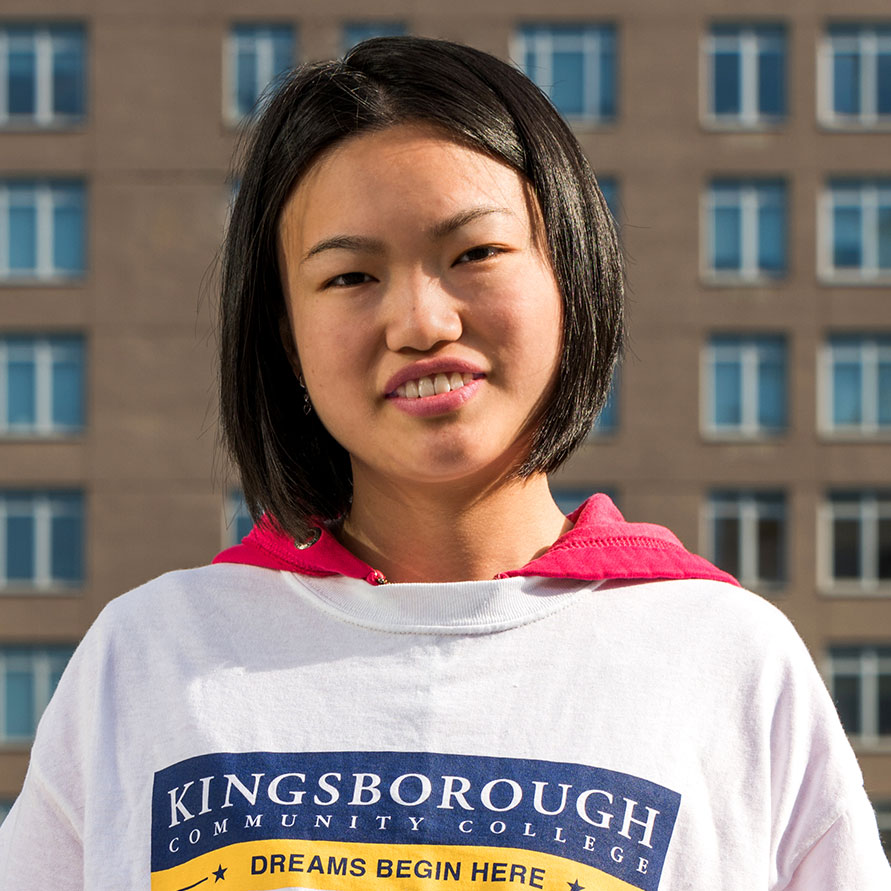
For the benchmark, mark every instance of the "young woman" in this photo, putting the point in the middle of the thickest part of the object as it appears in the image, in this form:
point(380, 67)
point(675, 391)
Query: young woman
point(416, 672)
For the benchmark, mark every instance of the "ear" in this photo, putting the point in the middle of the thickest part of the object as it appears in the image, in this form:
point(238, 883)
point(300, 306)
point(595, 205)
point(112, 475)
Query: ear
point(287, 338)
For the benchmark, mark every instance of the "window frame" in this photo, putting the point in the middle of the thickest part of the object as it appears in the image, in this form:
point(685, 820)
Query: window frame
point(43, 505)
point(872, 347)
point(871, 662)
point(44, 662)
point(750, 273)
point(873, 505)
point(234, 511)
point(47, 349)
point(750, 41)
point(49, 194)
point(750, 347)
point(541, 36)
point(866, 38)
point(750, 507)
point(232, 115)
point(46, 37)
point(868, 272)
point(373, 28)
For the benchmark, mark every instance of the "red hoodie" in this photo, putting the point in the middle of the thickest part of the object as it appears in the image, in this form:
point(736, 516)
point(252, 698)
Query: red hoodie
point(601, 545)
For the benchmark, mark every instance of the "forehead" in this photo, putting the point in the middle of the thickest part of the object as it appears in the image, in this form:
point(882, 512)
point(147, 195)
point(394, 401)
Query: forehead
point(376, 178)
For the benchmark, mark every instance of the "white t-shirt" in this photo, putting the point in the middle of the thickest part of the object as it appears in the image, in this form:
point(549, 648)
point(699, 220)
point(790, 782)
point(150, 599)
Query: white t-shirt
point(248, 728)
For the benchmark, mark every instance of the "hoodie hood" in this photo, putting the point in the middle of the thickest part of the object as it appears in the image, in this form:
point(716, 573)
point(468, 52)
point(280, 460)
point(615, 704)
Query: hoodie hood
point(600, 546)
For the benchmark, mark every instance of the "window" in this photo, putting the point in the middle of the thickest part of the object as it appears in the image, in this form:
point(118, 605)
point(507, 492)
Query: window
point(855, 76)
point(574, 64)
point(42, 225)
point(609, 188)
point(257, 56)
point(568, 499)
point(41, 75)
point(41, 385)
point(746, 229)
point(860, 683)
point(856, 378)
point(746, 535)
point(238, 521)
point(5, 808)
point(746, 68)
point(745, 391)
point(857, 223)
point(859, 538)
point(356, 32)
point(41, 539)
point(28, 677)
point(607, 421)
point(883, 818)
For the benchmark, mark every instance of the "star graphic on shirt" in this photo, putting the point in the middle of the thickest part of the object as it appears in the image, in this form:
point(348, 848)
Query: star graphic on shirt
point(220, 873)
point(575, 886)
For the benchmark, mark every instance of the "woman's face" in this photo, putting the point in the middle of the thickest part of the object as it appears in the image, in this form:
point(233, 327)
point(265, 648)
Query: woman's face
point(426, 319)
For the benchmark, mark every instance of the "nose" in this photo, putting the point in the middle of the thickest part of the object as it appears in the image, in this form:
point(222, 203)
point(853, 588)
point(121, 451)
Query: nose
point(419, 314)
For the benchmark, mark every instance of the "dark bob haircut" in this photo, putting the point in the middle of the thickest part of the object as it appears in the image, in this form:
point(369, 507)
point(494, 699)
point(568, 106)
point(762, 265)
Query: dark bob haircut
point(291, 468)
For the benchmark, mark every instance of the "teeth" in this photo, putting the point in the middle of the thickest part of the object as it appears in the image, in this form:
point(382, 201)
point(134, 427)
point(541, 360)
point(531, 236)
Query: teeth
point(430, 386)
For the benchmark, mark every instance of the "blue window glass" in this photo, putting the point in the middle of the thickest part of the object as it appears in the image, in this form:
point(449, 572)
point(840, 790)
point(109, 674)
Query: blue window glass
point(259, 55)
point(574, 64)
point(846, 244)
point(21, 82)
point(747, 228)
point(727, 83)
point(42, 536)
point(858, 368)
point(28, 677)
point(748, 535)
point(747, 67)
point(68, 74)
point(727, 408)
point(42, 379)
point(609, 188)
point(608, 419)
point(859, 60)
point(21, 397)
point(859, 219)
point(19, 718)
point(846, 83)
point(356, 32)
point(568, 90)
point(45, 222)
point(22, 231)
point(19, 547)
point(68, 229)
point(42, 68)
point(747, 383)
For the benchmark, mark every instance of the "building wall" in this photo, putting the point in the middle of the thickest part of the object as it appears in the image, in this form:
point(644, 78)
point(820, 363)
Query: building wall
point(154, 151)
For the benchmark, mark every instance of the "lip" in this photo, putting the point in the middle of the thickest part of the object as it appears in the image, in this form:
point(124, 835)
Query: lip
point(438, 404)
point(427, 368)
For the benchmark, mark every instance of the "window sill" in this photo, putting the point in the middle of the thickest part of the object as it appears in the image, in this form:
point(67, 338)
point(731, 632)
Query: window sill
point(854, 279)
point(26, 437)
point(844, 125)
point(881, 746)
point(852, 590)
point(62, 125)
point(732, 437)
point(852, 436)
point(763, 125)
point(713, 279)
point(33, 281)
point(31, 593)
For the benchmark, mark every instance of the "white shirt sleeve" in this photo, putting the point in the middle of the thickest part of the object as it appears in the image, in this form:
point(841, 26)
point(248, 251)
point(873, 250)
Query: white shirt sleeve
point(848, 857)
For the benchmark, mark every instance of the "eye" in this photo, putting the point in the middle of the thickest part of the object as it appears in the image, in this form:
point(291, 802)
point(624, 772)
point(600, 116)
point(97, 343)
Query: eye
point(474, 255)
point(348, 280)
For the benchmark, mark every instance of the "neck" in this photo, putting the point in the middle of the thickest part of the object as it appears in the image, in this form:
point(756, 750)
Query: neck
point(432, 535)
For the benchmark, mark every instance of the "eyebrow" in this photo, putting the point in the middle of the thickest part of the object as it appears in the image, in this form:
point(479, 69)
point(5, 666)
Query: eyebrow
point(364, 244)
